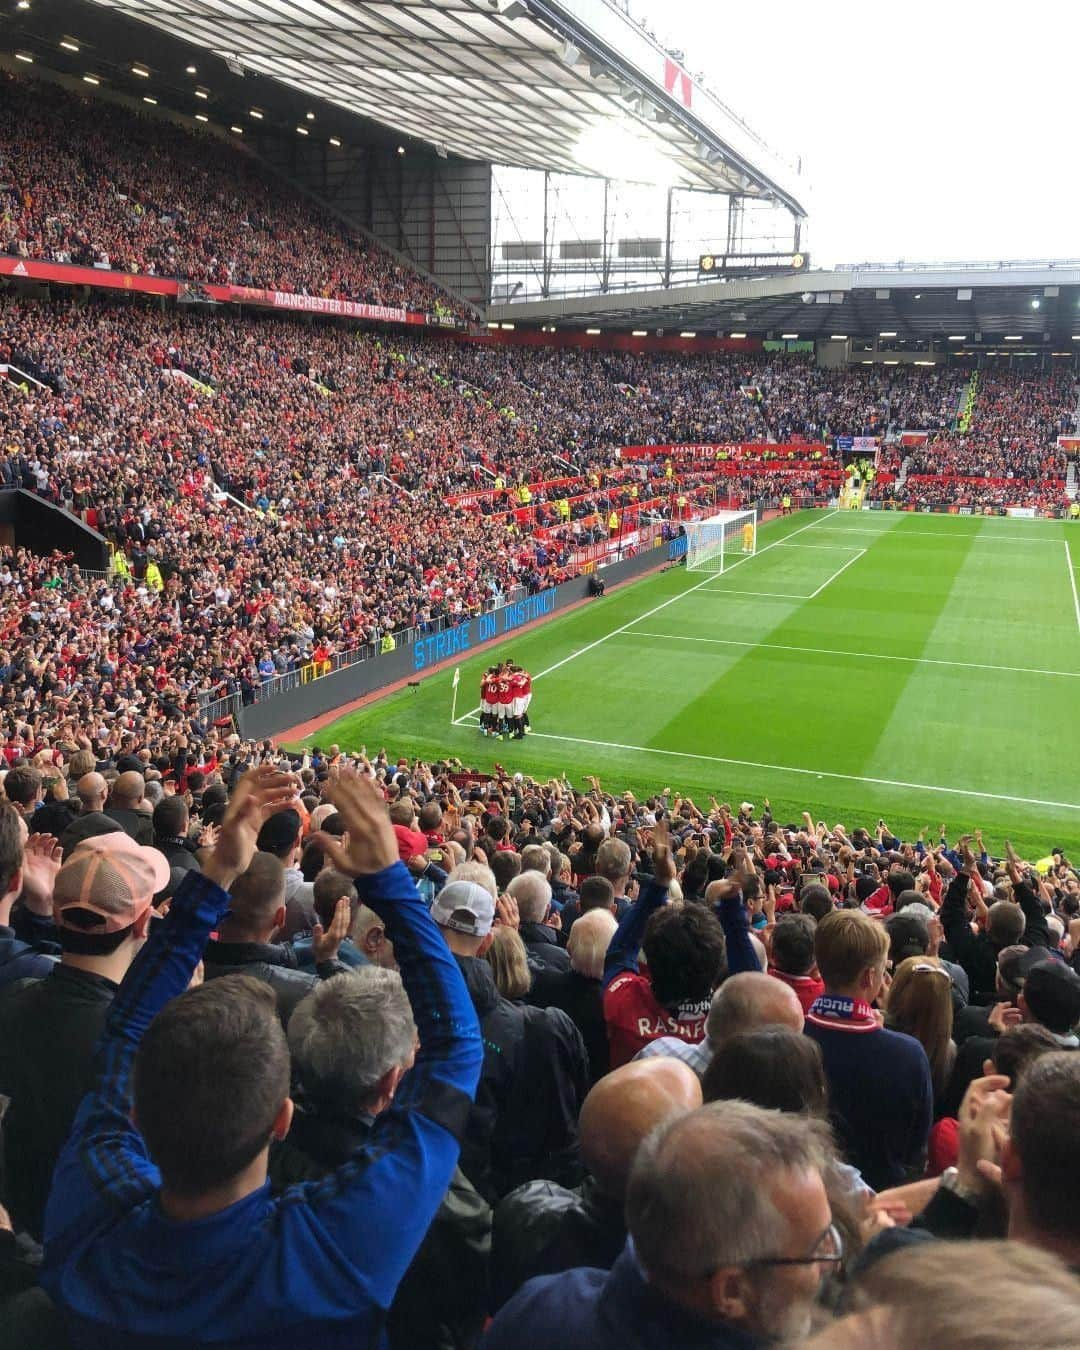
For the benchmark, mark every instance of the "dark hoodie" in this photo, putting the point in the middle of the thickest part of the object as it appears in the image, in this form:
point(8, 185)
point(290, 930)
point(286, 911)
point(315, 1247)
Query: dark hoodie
point(429, 1310)
point(523, 1123)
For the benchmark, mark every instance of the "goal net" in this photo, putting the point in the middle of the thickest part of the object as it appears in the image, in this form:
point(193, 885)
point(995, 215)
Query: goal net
point(715, 543)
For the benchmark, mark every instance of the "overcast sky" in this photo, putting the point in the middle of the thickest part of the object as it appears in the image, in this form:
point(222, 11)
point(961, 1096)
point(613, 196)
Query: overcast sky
point(932, 129)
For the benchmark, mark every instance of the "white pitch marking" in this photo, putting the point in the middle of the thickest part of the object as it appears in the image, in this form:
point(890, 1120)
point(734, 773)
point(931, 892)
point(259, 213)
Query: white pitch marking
point(865, 656)
point(830, 580)
point(664, 604)
point(895, 533)
point(765, 595)
point(809, 773)
point(1072, 579)
point(823, 548)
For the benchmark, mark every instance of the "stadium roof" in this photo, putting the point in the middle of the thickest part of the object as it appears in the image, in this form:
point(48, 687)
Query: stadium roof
point(1036, 302)
point(567, 85)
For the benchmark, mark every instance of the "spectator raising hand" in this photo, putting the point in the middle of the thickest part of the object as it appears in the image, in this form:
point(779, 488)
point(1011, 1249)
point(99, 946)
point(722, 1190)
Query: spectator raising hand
point(258, 795)
point(370, 844)
point(42, 857)
point(663, 859)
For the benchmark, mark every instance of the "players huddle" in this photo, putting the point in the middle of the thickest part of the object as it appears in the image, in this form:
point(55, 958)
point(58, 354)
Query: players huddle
point(505, 695)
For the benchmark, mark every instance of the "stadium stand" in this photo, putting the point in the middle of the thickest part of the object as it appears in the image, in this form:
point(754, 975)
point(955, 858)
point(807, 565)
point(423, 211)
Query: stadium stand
point(290, 484)
point(107, 188)
point(456, 1073)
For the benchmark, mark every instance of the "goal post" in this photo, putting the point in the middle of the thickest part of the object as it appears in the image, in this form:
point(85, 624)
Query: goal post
point(715, 543)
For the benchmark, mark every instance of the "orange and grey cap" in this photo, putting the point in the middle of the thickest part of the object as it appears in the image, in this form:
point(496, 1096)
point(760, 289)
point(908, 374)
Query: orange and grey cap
point(111, 877)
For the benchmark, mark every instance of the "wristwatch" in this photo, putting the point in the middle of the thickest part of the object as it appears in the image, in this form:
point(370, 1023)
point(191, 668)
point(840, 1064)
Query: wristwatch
point(950, 1181)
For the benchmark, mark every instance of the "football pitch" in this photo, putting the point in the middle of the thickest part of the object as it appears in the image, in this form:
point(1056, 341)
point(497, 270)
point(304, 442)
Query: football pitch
point(920, 668)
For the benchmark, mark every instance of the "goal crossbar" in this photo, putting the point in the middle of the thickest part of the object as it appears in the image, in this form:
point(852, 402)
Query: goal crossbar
point(715, 542)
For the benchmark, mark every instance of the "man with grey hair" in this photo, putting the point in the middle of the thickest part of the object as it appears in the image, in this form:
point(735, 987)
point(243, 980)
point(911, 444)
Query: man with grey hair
point(731, 1233)
point(615, 862)
point(535, 858)
point(744, 1002)
point(351, 1041)
point(532, 892)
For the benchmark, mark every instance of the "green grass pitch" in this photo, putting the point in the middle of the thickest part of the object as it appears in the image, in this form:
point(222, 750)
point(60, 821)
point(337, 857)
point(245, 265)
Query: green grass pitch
point(920, 668)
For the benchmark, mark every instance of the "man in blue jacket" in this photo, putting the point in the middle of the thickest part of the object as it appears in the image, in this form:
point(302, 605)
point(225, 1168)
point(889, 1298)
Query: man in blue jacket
point(164, 1233)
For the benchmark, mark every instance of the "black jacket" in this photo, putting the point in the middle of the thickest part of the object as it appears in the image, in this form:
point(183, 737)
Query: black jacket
point(523, 1123)
point(54, 818)
point(180, 853)
point(135, 823)
point(48, 1031)
point(542, 947)
point(582, 999)
point(544, 1229)
point(977, 953)
point(272, 962)
point(441, 1301)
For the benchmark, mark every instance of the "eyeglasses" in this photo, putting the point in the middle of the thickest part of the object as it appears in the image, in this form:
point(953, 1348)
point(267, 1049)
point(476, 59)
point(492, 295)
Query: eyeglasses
point(828, 1251)
point(925, 966)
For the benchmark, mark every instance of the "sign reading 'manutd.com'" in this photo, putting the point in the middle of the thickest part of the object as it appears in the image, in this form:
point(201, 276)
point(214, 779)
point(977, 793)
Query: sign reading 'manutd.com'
point(429, 651)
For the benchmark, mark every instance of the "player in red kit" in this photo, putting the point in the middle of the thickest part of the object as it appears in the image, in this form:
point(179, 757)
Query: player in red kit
point(518, 680)
point(504, 698)
point(488, 706)
point(526, 725)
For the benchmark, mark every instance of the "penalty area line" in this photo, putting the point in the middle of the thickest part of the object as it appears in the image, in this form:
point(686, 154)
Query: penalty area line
point(829, 581)
point(1072, 581)
point(861, 656)
point(805, 773)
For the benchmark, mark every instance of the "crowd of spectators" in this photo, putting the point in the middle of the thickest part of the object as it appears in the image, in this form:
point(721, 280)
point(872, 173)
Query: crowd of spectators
point(318, 1049)
point(1011, 437)
point(924, 399)
point(399, 1048)
point(92, 183)
point(277, 490)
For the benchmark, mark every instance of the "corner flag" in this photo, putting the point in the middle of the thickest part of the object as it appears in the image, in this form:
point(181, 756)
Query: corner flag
point(453, 685)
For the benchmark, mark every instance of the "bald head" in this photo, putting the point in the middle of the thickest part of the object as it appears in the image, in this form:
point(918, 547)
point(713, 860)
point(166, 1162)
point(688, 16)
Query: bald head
point(256, 901)
point(128, 790)
point(626, 1106)
point(92, 790)
point(749, 1001)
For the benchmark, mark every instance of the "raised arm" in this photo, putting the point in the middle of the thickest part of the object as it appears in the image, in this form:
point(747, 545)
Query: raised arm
point(727, 897)
point(1036, 929)
point(402, 1174)
point(954, 917)
point(626, 940)
point(104, 1167)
